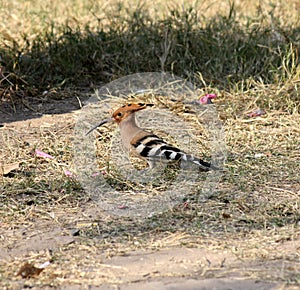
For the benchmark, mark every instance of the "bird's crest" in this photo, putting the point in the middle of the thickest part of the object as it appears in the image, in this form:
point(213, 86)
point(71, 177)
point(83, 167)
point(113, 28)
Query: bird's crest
point(123, 112)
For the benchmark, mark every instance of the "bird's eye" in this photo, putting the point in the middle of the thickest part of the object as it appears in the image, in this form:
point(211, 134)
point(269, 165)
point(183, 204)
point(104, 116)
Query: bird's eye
point(119, 114)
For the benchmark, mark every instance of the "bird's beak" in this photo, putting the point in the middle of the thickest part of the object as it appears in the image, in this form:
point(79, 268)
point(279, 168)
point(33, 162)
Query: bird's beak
point(100, 124)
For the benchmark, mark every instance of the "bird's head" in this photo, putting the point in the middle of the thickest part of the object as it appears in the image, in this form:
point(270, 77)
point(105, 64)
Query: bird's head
point(122, 113)
point(125, 111)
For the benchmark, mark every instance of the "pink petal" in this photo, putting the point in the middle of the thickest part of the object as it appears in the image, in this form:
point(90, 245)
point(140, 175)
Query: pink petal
point(123, 206)
point(211, 96)
point(68, 173)
point(95, 174)
point(98, 173)
point(40, 153)
point(256, 113)
point(206, 99)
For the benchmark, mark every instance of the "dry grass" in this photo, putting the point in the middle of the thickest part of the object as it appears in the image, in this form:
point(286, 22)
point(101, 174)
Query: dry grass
point(254, 217)
point(256, 210)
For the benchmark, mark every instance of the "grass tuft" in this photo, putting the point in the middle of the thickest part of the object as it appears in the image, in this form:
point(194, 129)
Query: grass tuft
point(125, 41)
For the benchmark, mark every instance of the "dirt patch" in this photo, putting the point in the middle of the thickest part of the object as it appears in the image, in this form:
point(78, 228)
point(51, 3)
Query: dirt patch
point(77, 261)
point(30, 240)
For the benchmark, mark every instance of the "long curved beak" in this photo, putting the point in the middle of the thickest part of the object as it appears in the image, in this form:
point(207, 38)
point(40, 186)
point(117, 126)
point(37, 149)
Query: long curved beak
point(99, 125)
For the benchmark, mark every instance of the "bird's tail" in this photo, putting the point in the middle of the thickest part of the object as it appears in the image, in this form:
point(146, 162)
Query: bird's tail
point(203, 165)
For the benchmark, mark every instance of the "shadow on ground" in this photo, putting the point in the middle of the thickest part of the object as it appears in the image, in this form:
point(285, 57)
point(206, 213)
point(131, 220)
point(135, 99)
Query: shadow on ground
point(53, 72)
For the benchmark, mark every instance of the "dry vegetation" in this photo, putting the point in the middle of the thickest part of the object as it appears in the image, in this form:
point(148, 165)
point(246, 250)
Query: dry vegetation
point(56, 55)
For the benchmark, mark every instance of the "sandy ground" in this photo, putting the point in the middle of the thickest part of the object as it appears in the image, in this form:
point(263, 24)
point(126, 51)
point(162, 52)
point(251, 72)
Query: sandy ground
point(166, 268)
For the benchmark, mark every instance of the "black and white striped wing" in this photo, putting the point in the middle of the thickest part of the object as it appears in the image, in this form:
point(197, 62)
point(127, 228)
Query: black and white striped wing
point(153, 148)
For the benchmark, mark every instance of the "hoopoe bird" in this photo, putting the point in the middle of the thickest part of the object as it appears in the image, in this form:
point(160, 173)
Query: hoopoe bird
point(145, 144)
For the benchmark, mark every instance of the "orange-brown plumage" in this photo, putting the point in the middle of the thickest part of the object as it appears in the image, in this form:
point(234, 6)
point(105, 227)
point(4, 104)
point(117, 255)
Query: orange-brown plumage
point(125, 111)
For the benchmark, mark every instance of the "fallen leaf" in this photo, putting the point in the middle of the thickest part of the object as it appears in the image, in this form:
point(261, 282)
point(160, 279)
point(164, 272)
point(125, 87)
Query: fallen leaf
point(7, 168)
point(29, 270)
point(226, 215)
